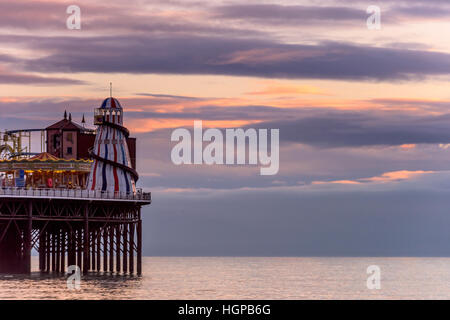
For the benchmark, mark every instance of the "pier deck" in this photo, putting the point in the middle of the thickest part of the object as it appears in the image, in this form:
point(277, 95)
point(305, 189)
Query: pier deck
point(93, 230)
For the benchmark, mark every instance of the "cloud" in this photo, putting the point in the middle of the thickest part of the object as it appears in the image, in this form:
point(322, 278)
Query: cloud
point(116, 16)
point(408, 146)
point(288, 14)
point(396, 176)
point(201, 17)
point(9, 77)
point(423, 10)
point(277, 89)
point(154, 95)
point(322, 154)
point(328, 14)
point(431, 105)
point(353, 129)
point(320, 127)
point(392, 176)
point(138, 54)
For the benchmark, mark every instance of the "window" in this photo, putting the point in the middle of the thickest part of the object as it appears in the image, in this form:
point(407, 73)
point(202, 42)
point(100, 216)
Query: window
point(69, 150)
point(69, 137)
point(55, 141)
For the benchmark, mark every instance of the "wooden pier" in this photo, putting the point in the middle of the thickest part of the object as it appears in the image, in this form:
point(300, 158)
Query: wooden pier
point(96, 234)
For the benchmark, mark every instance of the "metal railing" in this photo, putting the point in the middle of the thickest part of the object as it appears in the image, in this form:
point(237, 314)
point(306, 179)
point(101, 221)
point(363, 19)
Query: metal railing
point(75, 193)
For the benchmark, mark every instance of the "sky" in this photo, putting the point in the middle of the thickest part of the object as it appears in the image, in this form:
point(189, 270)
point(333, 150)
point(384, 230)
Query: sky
point(363, 115)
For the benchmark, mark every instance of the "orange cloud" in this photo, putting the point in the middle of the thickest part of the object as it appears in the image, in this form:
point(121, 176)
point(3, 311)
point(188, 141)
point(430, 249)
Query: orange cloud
point(337, 182)
point(407, 146)
point(148, 125)
point(287, 89)
point(396, 176)
point(385, 177)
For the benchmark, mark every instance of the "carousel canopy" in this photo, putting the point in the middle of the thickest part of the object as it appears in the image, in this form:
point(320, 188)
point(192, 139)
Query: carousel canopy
point(46, 161)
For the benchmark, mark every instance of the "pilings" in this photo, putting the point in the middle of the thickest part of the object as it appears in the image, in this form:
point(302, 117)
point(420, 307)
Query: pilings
point(111, 249)
point(96, 237)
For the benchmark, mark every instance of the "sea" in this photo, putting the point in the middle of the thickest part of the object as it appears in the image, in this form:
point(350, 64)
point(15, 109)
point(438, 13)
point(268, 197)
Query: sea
point(247, 278)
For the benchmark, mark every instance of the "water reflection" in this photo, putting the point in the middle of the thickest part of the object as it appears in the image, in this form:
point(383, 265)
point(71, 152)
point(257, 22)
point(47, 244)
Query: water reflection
point(246, 278)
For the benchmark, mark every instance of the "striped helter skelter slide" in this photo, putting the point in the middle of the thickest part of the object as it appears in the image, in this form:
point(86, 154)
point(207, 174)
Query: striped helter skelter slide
point(111, 170)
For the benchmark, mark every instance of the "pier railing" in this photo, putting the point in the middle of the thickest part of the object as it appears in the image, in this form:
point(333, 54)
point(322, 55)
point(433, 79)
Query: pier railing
point(75, 194)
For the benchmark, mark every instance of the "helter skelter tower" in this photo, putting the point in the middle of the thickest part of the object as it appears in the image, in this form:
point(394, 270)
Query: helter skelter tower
point(111, 171)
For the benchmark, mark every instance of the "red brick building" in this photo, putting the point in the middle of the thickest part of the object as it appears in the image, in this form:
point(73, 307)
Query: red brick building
point(69, 140)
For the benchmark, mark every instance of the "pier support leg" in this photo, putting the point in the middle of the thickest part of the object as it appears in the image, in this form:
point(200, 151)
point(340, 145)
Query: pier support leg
point(53, 251)
point(47, 251)
point(63, 251)
point(71, 260)
point(92, 246)
point(105, 249)
point(79, 249)
point(99, 237)
point(11, 249)
point(125, 247)
point(27, 240)
point(132, 226)
point(86, 241)
point(58, 250)
point(42, 250)
point(139, 245)
point(118, 248)
point(111, 248)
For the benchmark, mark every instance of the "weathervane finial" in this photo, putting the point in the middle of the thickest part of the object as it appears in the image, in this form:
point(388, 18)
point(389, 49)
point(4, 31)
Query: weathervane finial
point(110, 89)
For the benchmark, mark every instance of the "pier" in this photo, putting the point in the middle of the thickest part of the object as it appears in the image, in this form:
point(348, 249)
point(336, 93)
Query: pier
point(74, 204)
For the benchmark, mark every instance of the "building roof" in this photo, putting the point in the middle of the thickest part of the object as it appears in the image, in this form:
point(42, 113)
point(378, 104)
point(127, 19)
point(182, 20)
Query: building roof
point(111, 103)
point(65, 124)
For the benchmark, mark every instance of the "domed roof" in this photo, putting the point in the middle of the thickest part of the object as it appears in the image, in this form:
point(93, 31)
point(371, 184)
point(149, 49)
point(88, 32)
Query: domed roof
point(111, 103)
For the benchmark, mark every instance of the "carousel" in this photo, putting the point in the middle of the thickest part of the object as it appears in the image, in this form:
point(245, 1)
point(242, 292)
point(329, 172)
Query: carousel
point(44, 171)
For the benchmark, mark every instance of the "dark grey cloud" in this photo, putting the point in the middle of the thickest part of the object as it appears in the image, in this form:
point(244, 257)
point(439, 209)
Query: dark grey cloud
point(282, 14)
point(299, 164)
point(33, 15)
point(134, 16)
point(20, 78)
point(167, 96)
point(327, 128)
point(363, 129)
point(224, 56)
point(151, 103)
point(424, 10)
point(45, 106)
point(298, 15)
point(145, 16)
point(219, 113)
point(323, 127)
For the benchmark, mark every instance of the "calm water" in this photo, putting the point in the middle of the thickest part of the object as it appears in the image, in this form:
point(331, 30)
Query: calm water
point(248, 278)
